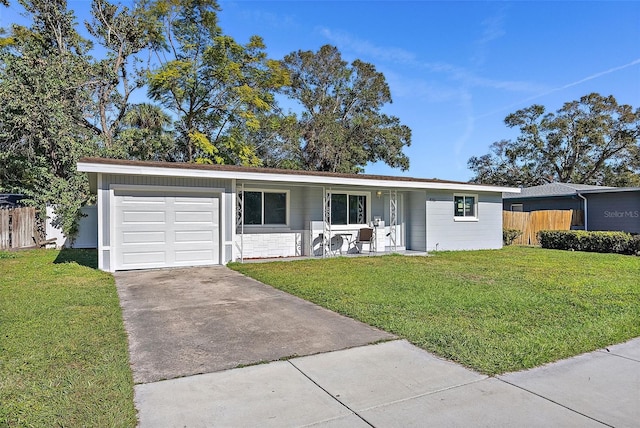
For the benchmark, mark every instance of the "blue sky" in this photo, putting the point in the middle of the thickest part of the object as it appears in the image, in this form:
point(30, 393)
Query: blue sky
point(456, 69)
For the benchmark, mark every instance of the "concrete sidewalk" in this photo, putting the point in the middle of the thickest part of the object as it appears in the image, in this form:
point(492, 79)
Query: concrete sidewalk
point(395, 384)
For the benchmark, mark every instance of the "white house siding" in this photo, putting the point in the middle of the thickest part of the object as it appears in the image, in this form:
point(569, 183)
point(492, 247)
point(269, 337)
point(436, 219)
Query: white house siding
point(416, 221)
point(105, 181)
point(444, 234)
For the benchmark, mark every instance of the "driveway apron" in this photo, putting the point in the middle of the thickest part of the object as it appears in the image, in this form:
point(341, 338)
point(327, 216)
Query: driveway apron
point(190, 321)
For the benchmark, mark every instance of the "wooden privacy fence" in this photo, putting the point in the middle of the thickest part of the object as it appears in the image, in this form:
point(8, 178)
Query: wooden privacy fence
point(530, 223)
point(17, 227)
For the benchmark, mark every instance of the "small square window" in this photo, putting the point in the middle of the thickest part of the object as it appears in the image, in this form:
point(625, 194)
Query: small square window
point(465, 206)
point(348, 209)
point(265, 208)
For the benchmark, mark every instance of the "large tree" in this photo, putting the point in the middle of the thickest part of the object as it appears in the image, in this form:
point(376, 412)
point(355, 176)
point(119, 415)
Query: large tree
point(340, 125)
point(42, 126)
point(60, 103)
point(214, 86)
point(593, 140)
point(123, 34)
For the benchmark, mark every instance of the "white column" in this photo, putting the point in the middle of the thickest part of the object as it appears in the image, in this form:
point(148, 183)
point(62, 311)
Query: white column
point(393, 219)
point(240, 218)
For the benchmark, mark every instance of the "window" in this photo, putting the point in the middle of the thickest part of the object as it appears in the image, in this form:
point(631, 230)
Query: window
point(465, 207)
point(348, 209)
point(517, 208)
point(265, 208)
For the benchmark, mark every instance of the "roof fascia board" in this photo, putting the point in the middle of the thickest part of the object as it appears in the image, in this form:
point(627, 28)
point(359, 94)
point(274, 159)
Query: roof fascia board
point(614, 190)
point(292, 178)
point(568, 195)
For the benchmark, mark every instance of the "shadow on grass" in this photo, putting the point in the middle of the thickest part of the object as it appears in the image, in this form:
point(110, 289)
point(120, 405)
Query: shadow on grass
point(84, 257)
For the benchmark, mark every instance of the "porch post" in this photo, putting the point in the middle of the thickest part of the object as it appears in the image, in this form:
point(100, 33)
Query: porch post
point(393, 219)
point(240, 219)
point(326, 220)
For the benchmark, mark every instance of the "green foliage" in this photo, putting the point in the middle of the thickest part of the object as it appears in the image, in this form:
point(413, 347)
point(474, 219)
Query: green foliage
point(341, 127)
point(59, 103)
point(216, 87)
point(123, 33)
point(494, 311)
point(145, 134)
point(598, 242)
point(510, 235)
point(64, 349)
point(42, 128)
point(590, 141)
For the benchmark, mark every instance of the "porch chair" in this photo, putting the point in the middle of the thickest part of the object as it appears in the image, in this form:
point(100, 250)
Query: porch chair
point(365, 236)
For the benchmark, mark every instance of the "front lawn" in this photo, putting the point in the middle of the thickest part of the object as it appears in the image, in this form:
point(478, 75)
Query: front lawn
point(63, 347)
point(494, 311)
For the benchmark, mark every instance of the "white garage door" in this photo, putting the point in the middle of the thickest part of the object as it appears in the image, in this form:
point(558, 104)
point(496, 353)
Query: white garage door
point(165, 230)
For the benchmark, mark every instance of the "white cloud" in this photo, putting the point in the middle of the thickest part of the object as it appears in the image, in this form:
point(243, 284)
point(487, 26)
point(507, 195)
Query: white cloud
point(493, 29)
point(362, 47)
point(468, 79)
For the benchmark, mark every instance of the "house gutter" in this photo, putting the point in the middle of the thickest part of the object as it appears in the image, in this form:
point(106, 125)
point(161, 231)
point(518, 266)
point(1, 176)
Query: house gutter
point(585, 209)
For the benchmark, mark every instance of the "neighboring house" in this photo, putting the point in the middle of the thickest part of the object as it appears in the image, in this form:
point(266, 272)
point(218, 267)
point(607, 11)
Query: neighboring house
point(604, 208)
point(153, 214)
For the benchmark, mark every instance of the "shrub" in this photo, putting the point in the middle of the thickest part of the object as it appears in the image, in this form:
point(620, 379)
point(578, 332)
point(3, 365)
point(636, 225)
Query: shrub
point(597, 242)
point(510, 235)
point(635, 245)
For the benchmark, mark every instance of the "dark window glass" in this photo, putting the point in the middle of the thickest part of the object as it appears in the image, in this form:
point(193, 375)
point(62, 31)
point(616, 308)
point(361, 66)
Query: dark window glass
point(464, 206)
point(338, 208)
point(252, 207)
point(458, 206)
point(275, 208)
point(469, 206)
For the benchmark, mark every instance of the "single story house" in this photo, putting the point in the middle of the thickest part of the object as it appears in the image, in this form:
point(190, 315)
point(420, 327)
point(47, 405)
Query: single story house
point(156, 214)
point(604, 208)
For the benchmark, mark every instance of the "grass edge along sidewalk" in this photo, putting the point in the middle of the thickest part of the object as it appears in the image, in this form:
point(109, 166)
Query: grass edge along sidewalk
point(494, 311)
point(63, 348)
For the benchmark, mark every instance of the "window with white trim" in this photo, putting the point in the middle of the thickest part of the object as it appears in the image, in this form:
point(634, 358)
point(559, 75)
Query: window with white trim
point(265, 208)
point(348, 208)
point(465, 207)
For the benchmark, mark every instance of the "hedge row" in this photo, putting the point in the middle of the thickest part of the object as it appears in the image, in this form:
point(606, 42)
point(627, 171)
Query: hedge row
point(597, 242)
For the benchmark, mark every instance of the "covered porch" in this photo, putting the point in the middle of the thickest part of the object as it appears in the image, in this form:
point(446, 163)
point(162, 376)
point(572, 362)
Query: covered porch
point(317, 221)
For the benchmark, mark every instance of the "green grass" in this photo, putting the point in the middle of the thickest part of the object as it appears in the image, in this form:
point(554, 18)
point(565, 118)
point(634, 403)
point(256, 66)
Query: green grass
point(63, 347)
point(494, 311)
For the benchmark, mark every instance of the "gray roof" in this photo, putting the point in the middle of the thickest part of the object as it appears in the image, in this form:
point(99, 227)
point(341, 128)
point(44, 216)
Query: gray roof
point(556, 189)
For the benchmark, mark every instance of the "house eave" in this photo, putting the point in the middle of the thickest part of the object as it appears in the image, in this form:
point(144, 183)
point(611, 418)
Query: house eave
point(273, 176)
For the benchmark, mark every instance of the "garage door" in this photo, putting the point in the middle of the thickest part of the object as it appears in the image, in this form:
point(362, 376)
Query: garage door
point(165, 230)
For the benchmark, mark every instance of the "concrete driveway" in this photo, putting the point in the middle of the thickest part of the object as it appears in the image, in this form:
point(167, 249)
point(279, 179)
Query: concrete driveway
point(190, 325)
point(190, 321)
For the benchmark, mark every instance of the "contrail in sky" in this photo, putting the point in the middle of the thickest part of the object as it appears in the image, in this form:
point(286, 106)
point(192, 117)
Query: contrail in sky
point(593, 76)
point(568, 85)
